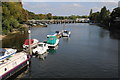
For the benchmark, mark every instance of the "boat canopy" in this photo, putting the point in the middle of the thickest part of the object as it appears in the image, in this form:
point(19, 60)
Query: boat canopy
point(2, 51)
point(51, 40)
point(27, 41)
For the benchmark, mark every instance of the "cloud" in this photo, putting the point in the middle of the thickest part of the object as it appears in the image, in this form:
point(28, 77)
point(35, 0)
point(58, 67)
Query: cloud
point(67, 8)
point(76, 5)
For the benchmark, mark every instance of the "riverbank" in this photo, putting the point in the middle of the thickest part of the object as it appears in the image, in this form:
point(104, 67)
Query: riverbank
point(2, 36)
point(15, 31)
point(40, 26)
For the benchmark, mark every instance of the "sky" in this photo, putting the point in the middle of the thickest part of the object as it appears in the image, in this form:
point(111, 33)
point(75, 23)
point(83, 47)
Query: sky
point(69, 7)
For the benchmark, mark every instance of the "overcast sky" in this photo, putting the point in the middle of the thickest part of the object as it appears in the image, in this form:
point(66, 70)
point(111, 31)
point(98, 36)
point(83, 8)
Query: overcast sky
point(68, 8)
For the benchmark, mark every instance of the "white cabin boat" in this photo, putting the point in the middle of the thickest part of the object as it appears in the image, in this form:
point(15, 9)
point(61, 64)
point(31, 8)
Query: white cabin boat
point(6, 53)
point(13, 66)
point(33, 43)
point(40, 49)
point(66, 33)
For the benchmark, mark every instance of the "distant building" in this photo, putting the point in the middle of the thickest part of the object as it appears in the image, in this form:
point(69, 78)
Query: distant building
point(119, 4)
point(83, 19)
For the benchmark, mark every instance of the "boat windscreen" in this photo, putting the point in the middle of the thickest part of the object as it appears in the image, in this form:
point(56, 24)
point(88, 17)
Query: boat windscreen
point(41, 45)
point(2, 51)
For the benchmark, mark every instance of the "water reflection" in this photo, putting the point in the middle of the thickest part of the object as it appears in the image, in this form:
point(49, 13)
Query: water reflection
point(66, 39)
point(52, 51)
point(43, 56)
point(115, 35)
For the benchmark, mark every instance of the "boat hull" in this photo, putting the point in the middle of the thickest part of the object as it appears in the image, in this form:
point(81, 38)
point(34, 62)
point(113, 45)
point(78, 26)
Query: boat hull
point(53, 46)
point(15, 72)
point(14, 66)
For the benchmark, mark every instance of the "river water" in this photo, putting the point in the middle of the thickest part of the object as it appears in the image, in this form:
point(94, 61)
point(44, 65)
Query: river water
point(90, 52)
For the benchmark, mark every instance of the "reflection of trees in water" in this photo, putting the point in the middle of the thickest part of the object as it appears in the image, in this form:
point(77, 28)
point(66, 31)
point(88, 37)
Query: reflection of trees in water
point(14, 40)
point(103, 33)
point(115, 35)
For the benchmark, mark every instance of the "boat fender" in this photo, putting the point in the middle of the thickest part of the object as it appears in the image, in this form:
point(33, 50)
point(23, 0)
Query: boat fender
point(28, 62)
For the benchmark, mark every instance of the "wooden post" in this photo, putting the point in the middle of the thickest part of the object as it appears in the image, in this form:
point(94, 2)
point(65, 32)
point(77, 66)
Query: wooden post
point(29, 31)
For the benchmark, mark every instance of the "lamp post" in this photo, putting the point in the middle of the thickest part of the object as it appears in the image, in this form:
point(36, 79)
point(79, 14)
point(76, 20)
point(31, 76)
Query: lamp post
point(29, 32)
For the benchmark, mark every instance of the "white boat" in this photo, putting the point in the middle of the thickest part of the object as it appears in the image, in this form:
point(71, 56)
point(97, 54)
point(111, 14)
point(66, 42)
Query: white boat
point(66, 33)
point(6, 53)
point(33, 43)
point(40, 49)
point(13, 66)
point(41, 24)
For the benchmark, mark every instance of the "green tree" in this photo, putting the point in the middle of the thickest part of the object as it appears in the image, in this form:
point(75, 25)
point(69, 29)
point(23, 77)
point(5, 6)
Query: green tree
point(115, 13)
point(104, 14)
point(49, 16)
point(14, 23)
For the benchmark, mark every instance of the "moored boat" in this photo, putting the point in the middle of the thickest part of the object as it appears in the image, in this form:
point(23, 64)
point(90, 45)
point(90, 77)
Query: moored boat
point(52, 41)
point(6, 53)
point(40, 49)
point(58, 34)
point(10, 68)
point(33, 43)
point(66, 33)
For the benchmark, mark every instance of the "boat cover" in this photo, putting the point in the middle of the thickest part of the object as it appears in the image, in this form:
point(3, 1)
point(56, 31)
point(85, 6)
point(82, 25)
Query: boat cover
point(27, 41)
point(51, 40)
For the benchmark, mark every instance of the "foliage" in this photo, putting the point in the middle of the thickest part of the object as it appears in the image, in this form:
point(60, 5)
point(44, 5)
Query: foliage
point(12, 15)
point(115, 13)
point(102, 17)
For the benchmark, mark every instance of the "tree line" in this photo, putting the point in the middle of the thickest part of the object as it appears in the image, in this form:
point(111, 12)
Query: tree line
point(50, 16)
point(13, 15)
point(105, 17)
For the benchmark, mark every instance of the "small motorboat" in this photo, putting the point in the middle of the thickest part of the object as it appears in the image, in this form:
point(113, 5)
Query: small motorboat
point(6, 53)
point(33, 43)
point(40, 49)
point(58, 34)
point(52, 41)
point(66, 33)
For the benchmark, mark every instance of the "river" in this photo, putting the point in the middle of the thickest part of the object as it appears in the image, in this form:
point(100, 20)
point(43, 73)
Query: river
point(90, 52)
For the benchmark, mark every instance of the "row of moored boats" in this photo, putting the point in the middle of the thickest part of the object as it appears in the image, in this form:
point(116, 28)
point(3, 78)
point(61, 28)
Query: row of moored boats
point(39, 48)
point(11, 61)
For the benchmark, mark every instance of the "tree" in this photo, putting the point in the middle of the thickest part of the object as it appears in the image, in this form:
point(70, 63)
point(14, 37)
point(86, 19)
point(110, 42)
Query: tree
point(14, 23)
point(115, 13)
point(104, 14)
point(90, 15)
point(49, 16)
